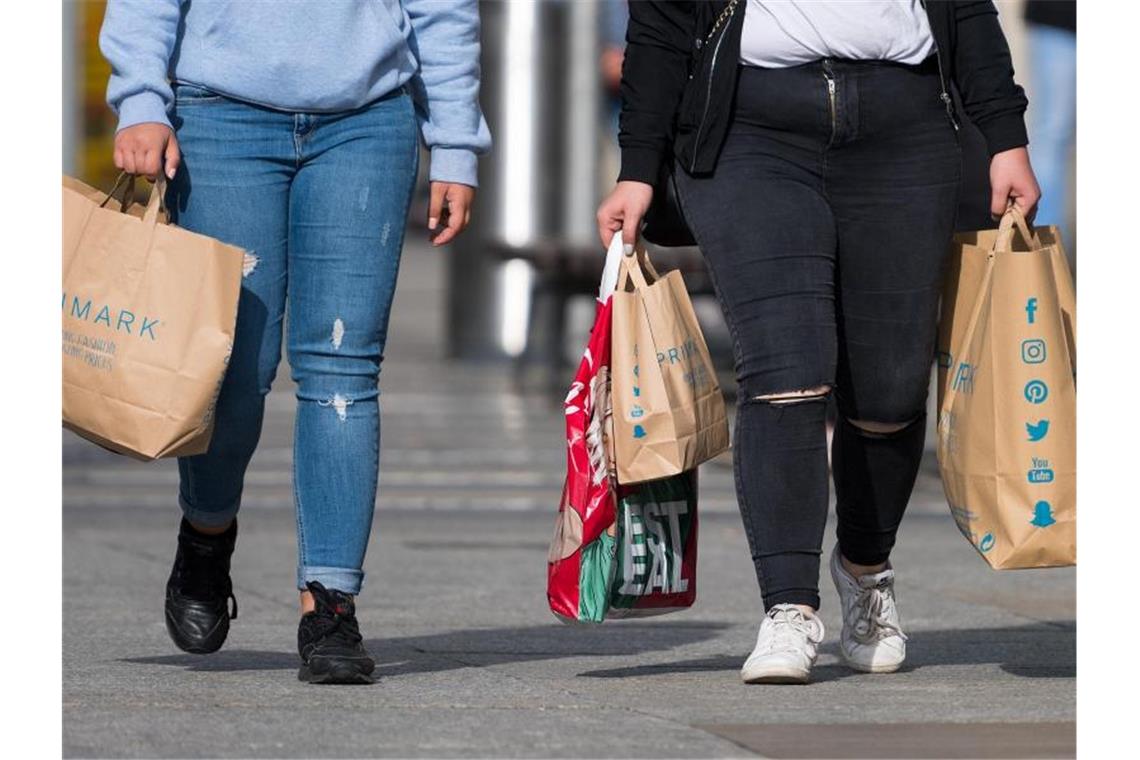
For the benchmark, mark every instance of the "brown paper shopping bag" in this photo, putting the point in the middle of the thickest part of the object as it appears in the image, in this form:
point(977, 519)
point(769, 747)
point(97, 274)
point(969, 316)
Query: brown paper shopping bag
point(1007, 395)
point(668, 411)
point(148, 325)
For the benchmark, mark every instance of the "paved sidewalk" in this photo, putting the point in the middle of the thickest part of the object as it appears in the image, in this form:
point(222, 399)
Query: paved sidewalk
point(471, 660)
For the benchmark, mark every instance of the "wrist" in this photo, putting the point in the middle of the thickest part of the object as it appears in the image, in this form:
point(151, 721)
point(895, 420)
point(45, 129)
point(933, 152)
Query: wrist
point(142, 108)
point(454, 166)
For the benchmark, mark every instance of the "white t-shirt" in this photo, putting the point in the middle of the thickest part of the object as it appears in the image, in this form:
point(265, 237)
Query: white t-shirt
point(781, 33)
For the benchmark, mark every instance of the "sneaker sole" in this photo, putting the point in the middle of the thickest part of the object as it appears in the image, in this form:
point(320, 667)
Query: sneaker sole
point(885, 668)
point(777, 677)
point(337, 674)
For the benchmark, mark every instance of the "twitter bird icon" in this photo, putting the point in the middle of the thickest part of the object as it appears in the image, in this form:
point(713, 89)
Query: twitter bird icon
point(1037, 430)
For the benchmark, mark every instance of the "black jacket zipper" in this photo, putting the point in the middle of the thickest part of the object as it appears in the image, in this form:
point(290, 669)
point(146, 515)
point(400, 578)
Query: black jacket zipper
point(941, 77)
point(708, 96)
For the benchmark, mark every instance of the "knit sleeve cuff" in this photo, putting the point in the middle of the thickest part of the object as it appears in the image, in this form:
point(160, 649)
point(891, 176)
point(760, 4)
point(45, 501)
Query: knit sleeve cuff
point(640, 165)
point(1004, 133)
point(454, 165)
point(141, 108)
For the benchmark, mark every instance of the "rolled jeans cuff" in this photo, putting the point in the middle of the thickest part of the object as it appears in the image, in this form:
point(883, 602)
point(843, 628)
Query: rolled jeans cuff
point(207, 518)
point(343, 579)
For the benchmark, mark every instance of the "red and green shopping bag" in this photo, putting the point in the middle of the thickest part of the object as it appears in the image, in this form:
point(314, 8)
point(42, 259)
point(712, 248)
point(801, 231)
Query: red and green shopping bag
point(618, 551)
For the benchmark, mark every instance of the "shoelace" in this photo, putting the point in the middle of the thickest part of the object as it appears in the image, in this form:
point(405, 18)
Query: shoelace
point(873, 607)
point(332, 624)
point(339, 629)
point(790, 627)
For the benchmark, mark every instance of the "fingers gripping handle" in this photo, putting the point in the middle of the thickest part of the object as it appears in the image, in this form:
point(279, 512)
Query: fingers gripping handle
point(1013, 219)
point(156, 202)
point(625, 263)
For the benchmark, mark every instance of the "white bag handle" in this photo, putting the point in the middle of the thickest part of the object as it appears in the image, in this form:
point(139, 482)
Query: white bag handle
point(613, 265)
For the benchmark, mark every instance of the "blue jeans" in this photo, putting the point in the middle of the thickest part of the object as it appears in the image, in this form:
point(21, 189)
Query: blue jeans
point(1052, 117)
point(319, 202)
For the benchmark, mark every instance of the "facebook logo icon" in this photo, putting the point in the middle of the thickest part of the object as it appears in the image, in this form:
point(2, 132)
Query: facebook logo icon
point(1030, 309)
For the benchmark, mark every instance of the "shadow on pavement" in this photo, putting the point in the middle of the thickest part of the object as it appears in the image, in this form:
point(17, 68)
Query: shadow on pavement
point(1039, 650)
point(476, 647)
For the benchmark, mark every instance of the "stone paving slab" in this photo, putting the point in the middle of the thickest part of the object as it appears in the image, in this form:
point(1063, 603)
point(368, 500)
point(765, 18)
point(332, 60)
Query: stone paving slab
point(951, 740)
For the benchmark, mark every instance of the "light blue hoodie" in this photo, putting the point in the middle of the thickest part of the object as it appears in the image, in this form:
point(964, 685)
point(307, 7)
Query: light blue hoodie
point(305, 55)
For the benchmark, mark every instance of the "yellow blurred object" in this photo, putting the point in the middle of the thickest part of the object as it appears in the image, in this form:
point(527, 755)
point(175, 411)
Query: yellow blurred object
point(97, 138)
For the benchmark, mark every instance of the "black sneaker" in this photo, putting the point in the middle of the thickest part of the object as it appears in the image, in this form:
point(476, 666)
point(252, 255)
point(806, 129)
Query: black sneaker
point(199, 591)
point(329, 640)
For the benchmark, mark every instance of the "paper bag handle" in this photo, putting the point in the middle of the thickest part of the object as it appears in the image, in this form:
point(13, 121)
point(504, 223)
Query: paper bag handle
point(128, 192)
point(157, 200)
point(634, 266)
point(155, 203)
point(1009, 220)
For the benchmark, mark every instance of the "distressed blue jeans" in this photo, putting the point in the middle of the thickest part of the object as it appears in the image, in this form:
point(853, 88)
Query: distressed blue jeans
point(319, 202)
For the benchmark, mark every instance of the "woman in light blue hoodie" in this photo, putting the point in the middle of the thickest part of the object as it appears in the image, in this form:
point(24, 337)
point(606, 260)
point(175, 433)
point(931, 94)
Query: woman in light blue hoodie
point(291, 129)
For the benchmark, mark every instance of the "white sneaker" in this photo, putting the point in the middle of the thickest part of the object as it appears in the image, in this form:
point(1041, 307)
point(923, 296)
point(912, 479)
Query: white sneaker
point(785, 647)
point(872, 639)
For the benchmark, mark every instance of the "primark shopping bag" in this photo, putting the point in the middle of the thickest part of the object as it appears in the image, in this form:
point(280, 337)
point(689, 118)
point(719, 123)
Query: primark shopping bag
point(669, 414)
point(1007, 395)
point(148, 324)
point(617, 551)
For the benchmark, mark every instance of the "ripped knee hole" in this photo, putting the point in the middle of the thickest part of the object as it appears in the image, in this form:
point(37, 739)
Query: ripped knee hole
point(873, 428)
point(819, 393)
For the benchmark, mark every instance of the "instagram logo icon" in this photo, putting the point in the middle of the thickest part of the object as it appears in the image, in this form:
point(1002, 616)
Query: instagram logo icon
point(1033, 351)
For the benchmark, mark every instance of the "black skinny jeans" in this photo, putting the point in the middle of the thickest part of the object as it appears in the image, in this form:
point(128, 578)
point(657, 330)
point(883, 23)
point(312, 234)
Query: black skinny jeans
point(825, 227)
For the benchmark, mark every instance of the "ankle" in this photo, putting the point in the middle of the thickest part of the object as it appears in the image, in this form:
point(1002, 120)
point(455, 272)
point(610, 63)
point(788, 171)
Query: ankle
point(856, 570)
point(210, 530)
point(806, 609)
point(309, 604)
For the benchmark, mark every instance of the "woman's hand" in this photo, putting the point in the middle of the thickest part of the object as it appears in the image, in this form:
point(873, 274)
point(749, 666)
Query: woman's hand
point(1012, 180)
point(454, 216)
point(147, 149)
point(623, 210)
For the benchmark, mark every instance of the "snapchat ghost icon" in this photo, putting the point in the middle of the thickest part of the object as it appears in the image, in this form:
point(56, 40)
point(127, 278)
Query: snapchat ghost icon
point(1042, 515)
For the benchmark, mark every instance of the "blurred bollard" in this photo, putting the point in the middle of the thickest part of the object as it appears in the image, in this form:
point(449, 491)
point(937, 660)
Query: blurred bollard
point(541, 94)
point(72, 126)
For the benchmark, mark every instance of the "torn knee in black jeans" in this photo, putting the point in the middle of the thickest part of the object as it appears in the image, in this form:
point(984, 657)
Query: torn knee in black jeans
point(820, 393)
point(880, 430)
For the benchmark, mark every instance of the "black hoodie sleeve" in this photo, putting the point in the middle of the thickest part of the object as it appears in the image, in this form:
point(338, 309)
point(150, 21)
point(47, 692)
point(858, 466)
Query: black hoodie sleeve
point(983, 71)
point(658, 39)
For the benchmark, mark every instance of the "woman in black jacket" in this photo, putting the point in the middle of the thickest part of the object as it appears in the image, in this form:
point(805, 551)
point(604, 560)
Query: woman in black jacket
point(815, 153)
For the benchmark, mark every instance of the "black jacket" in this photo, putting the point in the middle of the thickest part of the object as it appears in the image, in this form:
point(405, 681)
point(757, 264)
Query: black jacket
point(678, 82)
